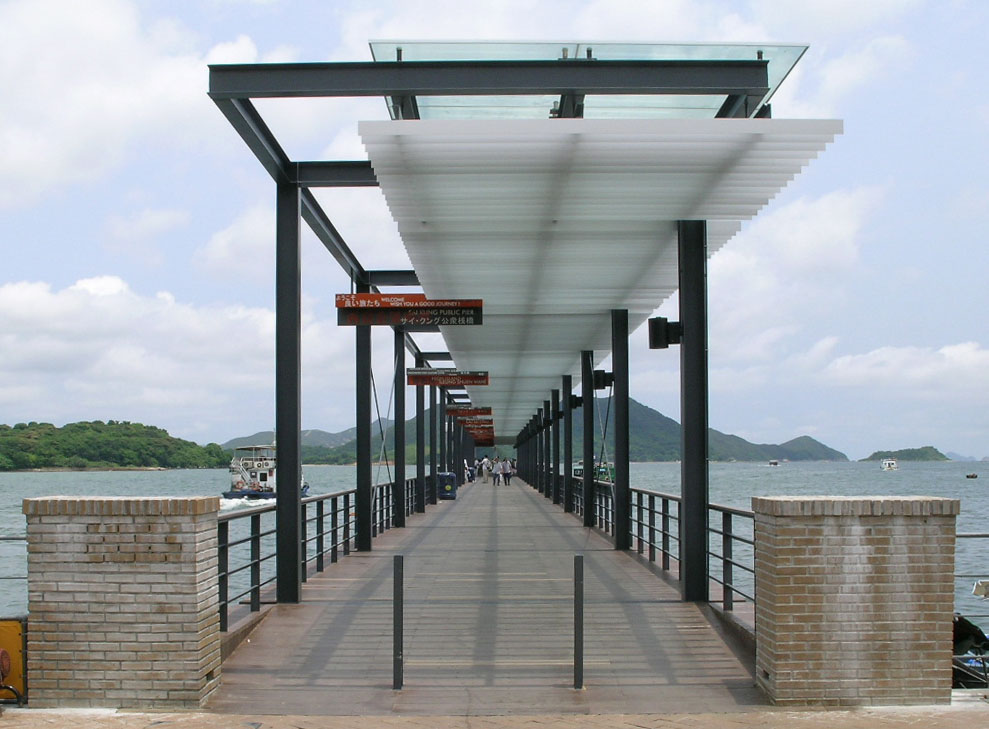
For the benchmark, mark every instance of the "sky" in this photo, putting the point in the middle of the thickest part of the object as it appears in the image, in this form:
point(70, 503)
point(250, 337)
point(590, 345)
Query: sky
point(137, 230)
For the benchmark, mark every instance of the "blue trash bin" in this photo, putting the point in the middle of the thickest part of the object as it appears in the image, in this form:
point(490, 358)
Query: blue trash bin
point(446, 485)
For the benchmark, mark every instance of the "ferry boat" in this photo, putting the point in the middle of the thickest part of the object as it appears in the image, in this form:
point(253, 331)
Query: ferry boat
point(602, 471)
point(889, 464)
point(252, 473)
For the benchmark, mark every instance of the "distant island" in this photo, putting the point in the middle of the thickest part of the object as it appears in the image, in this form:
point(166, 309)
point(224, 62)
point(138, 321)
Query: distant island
point(927, 453)
point(99, 445)
point(652, 437)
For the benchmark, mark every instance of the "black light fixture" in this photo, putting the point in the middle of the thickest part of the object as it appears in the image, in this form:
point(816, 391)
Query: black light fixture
point(663, 333)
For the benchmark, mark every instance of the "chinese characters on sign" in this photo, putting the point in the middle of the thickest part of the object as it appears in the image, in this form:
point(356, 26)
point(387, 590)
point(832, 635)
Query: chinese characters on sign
point(442, 377)
point(406, 310)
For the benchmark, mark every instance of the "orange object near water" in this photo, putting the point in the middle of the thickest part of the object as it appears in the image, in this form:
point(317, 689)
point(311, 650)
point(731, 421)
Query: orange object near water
point(12, 657)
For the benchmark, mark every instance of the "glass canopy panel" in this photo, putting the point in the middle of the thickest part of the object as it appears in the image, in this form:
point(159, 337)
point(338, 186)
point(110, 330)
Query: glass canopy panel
point(781, 60)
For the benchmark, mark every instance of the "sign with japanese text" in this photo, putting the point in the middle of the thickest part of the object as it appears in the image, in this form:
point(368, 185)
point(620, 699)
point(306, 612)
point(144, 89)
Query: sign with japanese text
point(406, 310)
point(465, 411)
point(444, 377)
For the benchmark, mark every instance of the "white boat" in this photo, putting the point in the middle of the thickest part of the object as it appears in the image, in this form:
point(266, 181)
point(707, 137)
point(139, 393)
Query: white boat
point(774, 462)
point(889, 464)
point(252, 473)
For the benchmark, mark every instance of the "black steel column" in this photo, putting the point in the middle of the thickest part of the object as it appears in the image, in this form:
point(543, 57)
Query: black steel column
point(288, 394)
point(587, 393)
point(619, 362)
point(420, 444)
point(443, 434)
point(547, 451)
point(555, 457)
point(693, 409)
point(399, 428)
point(365, 494)
point(540, 452)
point(567, 444)
point(433, 441)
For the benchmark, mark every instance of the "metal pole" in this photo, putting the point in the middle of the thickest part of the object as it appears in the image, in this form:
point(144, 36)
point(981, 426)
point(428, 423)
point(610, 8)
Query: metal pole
point(578, 621)
point(398, 495)
point(587, 393)
point(398, 628)
point(433, 440)
point(442, 434)
point(567, 444)
point(692, 236)
point(555, 457)
point(547, 424)
point(619, 364)
point(420, 498)
point(288, 394)
point(364, 495)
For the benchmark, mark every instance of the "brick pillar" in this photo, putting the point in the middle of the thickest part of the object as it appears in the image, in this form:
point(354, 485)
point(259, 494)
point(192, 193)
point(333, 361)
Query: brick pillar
point(854, 599)
point(122, 601)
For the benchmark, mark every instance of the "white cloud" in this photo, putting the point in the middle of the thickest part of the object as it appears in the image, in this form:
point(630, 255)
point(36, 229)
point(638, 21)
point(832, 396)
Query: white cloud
point(245, 249)
point(146, 223)
point(915, 372)
point(830, 16)
point(90, 82)
point(784, 269)
point(98, 350)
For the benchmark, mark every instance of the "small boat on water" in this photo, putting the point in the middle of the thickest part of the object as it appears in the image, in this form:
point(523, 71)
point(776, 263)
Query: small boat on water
point(971, 475)
point(252, 474)
point(774, 462)
point(889, 464)
point(602, 471)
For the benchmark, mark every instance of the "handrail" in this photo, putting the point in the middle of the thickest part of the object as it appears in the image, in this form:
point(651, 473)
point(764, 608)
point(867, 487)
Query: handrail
point(329, 531)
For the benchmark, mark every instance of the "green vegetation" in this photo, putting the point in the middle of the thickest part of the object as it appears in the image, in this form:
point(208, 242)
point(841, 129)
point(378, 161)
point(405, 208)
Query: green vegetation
point(927, 453)
point(101, 445)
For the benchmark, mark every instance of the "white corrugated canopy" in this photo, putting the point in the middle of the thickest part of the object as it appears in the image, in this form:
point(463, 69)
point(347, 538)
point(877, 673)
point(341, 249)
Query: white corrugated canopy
point(555, 222)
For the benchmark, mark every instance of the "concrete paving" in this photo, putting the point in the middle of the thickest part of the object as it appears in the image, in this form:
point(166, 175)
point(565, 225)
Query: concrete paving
point(965, 713)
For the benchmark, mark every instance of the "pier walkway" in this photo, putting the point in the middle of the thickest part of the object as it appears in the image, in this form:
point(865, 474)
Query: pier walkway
point(488, 626)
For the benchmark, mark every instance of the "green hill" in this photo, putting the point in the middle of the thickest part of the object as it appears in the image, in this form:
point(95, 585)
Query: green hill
point(655, 437)
point(652, 437)
point(97, 444)
point(927, 453)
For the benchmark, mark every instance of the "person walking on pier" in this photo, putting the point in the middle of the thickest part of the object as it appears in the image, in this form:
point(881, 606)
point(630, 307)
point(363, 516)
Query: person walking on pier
point(506, 471)
point(486, 468)
point(496, 471)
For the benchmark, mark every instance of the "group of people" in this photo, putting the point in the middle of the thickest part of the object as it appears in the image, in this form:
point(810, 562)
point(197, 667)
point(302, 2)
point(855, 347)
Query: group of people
point(498, 469)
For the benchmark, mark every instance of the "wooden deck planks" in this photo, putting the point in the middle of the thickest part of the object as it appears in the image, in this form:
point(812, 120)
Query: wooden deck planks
point(488, 626)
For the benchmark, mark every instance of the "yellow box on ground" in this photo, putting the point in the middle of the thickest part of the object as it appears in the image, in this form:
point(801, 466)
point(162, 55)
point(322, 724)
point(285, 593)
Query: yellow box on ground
point(12, 640)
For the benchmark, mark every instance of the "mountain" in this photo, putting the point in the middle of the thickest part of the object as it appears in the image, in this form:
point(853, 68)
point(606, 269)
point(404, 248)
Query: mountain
point(958, 457)
point(652, 437)
point(927, 453)
point(313, 437)
point(655, 437)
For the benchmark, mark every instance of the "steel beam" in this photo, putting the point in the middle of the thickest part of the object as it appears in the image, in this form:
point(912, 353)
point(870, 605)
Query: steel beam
point(420, 443)
point(587, 394)
point(444, 439)
point(393, 278)
point(547, 427)
point(692, 236)
point(364, 496)
point(567, 390)
point(485, 78)
point(288, 394)
point(437, 356)
point(247, 122)
point(555, 450)
point(398, 429)
point(356, 173)
point(433, 444)
point(619, 359)
point(331, 239)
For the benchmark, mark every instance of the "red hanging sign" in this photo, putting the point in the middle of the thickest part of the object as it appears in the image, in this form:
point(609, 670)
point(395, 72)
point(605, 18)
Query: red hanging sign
point(443, 377)
point(407, 310)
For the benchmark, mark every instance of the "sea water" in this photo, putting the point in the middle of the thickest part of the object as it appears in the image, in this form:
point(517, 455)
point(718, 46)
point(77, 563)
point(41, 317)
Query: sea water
point(731, 484)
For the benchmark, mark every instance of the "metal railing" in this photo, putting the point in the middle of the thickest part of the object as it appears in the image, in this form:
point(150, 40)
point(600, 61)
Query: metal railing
point(654, 527)
point(246, 541)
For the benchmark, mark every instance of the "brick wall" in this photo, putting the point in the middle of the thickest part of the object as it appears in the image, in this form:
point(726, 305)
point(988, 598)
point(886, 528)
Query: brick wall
point(854, 599)
point(122, 601)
